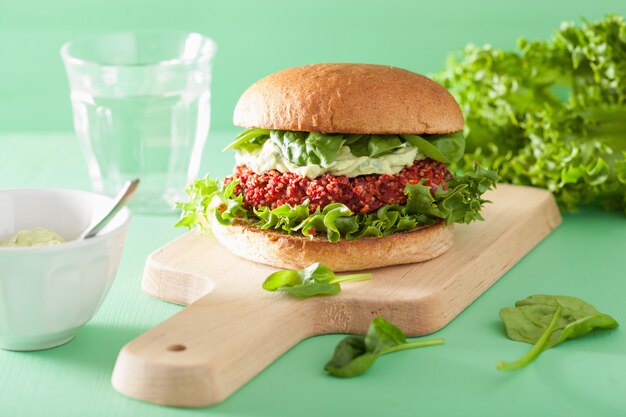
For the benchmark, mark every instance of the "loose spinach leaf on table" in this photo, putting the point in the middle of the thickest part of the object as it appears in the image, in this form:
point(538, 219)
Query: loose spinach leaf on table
point(316, 279)
point(547, 320)
point(356, 354)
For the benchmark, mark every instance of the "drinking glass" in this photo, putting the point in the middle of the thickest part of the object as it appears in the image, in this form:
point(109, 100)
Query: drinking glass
point(141, 103)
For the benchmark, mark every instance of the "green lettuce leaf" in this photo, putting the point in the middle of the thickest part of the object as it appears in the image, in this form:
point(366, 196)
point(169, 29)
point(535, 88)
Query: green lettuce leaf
point(200, 193)
point(306, 148)
point(232, 205)
point(461, 202)
point(202, 202)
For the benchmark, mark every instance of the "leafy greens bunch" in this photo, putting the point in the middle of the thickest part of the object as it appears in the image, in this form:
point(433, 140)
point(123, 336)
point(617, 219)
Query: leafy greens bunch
point(356, 354)
point(306, 148)
point(551, 114)
point(547, 320)
point(461, 202)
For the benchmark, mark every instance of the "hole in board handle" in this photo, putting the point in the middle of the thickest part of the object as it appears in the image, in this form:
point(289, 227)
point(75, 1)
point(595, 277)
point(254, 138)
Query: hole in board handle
point(176, 348)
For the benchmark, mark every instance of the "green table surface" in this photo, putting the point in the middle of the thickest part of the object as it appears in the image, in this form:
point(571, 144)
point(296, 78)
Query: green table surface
point(585, 256)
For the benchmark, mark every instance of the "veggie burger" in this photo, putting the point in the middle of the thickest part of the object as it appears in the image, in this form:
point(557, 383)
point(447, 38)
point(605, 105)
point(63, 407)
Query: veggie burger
point(344, 164)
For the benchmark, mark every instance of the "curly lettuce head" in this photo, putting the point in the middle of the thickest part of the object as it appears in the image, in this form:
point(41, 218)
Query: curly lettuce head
point(552, 114)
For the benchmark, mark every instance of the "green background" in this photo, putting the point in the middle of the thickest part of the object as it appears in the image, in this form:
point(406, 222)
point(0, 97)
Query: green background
point(584, 257)
point(258, 37)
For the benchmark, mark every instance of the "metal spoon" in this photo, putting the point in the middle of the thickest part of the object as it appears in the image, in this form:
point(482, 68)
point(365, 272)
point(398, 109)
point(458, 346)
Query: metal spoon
point(122, 198)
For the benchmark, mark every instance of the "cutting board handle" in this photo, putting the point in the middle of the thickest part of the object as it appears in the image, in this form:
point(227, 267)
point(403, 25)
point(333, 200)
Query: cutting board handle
point(207, 351)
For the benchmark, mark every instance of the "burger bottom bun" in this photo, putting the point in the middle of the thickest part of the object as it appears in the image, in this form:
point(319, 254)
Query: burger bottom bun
point(280, 250)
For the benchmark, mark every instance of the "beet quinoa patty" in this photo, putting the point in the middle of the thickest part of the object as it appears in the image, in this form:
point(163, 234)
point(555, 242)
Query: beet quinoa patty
point(362, 194)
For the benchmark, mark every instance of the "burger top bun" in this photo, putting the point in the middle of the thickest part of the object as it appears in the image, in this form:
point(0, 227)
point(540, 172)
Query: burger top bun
point(349, 98)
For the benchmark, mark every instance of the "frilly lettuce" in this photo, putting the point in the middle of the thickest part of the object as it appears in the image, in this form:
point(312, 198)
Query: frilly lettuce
point(459, 203)
point(306, 148)
point(208, 196)
point(552, 114)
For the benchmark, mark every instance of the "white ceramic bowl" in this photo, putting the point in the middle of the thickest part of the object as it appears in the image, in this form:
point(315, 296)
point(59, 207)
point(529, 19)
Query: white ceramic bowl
point(47, 293)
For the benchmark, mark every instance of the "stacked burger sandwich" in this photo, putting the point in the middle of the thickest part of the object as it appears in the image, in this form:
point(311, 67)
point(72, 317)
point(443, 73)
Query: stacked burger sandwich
point(344, 164)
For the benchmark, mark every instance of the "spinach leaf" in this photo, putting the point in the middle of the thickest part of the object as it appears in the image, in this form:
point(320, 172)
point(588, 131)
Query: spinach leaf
point(322, 149)
point(304, 148)
point(383, 335)
point(292, 146)
point(351, 358)
point(547, 320)
point(356, 354)
point(442, 148)
point(538, 347)
point(374, 146)
point(249, 140)
point(316, 279)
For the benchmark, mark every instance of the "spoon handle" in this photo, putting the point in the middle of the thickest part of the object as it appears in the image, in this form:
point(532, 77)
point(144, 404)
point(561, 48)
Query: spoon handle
point(120, 201)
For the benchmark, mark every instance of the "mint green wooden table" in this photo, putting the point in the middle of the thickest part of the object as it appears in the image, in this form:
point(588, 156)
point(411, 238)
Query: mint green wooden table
point(586, 257)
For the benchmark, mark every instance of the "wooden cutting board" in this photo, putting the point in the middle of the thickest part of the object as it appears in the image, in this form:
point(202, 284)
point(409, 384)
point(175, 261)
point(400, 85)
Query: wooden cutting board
point(233, 328)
